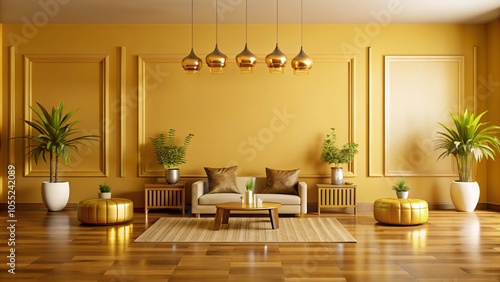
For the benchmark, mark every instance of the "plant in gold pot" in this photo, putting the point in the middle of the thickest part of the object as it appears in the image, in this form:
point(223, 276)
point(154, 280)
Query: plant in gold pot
point(169, 155)
point(55, 136)
point(332, 154)
point(469, 141)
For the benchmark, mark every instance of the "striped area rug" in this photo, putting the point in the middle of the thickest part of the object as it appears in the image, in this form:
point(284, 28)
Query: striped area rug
point(247, 229)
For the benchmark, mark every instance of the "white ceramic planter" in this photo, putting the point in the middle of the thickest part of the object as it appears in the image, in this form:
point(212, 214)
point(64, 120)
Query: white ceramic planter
point(55, 196)
point(105, 195)
point(402, 194)
point(464, 195)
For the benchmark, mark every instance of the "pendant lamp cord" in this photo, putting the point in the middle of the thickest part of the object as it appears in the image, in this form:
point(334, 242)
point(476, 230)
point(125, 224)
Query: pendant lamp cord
point(301, 25)
point(192, 22)
point(277, 7)
point(246, 21)
point(216, 20)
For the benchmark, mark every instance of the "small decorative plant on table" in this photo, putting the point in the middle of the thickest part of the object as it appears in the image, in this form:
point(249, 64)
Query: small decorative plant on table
point(468, 142)
point(105, 191)
point(249, 195)
point(401, 188)
point(169, 155)
point(331, 154)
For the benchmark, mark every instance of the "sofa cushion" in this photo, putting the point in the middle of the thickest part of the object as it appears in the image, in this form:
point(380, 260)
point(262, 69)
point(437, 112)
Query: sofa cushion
point(222, 180)
point(281, 181)
point(213, 199)
point(280, 198)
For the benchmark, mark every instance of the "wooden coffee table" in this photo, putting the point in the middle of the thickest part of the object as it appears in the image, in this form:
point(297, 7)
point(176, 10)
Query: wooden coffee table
point(224, 210)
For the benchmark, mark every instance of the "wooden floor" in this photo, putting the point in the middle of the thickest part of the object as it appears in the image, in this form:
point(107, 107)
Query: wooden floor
point(452, 246)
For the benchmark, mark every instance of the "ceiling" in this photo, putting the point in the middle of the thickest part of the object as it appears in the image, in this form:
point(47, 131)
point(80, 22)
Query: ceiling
point(259, 11)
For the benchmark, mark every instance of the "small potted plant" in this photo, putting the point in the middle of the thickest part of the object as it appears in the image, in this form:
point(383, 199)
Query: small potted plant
point(105, 191)
point(331, 154)
point(169, 155)
point(249, 195)
point(401, 188)
point(468, 142)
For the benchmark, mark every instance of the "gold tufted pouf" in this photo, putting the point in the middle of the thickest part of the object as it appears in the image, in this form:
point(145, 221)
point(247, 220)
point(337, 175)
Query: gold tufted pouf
point(105, 211)
point(401, 211)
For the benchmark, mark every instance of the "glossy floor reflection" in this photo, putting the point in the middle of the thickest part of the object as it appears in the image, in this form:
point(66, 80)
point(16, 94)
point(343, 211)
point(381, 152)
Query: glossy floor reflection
point(452, 246)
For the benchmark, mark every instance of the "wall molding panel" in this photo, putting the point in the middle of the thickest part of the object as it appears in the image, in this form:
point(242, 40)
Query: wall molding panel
point(49, 79)
point(123, 109)
point(428, 87)
point(12, 103)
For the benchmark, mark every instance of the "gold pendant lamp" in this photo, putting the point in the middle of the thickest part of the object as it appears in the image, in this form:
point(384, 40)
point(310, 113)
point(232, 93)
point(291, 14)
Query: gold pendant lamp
point(276, 61)
point(246, 60)
point(216, 60)
point(191, 63)
point(301, 64)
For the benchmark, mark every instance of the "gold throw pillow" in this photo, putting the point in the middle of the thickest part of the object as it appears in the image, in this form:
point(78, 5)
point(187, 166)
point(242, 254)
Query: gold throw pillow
point(281, 181)
point(222, 180)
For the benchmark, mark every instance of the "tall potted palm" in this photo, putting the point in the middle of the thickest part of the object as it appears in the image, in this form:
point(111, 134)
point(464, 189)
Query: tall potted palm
point(54, 135)
point(169, 155)
point(468, 142)
point(332, 154)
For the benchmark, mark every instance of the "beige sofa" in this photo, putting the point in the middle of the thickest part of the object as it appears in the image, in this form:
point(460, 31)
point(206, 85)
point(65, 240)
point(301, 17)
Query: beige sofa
point(203, 203)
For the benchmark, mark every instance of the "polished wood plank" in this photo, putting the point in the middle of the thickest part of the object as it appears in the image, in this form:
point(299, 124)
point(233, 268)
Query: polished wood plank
point(452, 246)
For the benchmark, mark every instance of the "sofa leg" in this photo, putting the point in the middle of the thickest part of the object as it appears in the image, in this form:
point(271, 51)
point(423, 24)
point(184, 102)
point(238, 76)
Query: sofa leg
point(197, 215)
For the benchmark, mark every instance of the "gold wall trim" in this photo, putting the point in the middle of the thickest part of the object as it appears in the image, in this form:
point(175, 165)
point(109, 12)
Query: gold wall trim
point(12, 104)
point(352, 114)
point(369, 111)
point(414, 155)
point(29, 60)
point(474, 78)
point(123, 110)
point(143, 60)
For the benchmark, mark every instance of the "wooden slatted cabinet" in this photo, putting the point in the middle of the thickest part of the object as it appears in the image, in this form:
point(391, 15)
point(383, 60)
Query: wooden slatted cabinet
point(165, 196)
point(336, 196)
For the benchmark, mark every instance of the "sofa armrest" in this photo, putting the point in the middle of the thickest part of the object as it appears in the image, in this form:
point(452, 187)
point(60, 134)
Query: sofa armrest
point(197, 190)
point(303, 197)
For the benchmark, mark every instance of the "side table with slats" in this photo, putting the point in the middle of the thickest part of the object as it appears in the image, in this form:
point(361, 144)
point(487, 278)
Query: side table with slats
point(165, 196)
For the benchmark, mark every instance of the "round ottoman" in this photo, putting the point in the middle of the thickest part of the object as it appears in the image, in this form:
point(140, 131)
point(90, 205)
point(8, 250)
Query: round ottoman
point(105, 211)
point(401, 211)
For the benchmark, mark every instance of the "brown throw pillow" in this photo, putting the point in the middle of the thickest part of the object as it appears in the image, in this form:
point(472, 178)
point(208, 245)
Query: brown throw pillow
point(222, 180)
point(281, 181)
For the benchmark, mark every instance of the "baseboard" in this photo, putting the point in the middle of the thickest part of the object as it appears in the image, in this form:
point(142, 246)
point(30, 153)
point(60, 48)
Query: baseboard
point(493, 207)
point(33, 206)
point(368, 207)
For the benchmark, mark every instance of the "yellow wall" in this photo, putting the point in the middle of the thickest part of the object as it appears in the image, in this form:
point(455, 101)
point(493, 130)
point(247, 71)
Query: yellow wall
point(287, 115)
point(3, 137)
point(489, 87)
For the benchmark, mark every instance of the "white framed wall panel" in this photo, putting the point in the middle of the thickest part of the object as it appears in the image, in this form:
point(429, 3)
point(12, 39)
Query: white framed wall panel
point(420, 91)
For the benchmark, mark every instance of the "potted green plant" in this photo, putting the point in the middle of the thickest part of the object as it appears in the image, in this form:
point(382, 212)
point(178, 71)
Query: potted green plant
point(169, 155)
point(249, 195)
point(401, 188)
point(56, 136)
point(469, 141)
point(332, 154)
point(104, 191)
